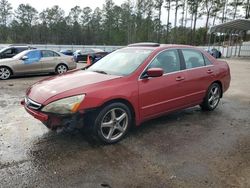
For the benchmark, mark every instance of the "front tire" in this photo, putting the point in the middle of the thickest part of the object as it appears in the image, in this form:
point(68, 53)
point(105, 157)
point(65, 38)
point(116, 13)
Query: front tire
point(5, 73)
point(212, 98)
point(112, 122)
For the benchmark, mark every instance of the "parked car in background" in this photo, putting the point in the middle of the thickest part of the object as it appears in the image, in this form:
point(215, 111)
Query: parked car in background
point(93, 53)
point(215, 53)
point(67, 52)
point(35, 61)
point(129, 86)
point(11, 51)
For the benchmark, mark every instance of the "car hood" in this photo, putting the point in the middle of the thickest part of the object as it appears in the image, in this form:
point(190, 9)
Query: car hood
point(50, 87)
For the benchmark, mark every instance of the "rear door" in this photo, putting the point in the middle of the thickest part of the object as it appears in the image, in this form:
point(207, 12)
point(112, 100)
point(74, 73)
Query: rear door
point(165, 93)
point(49, 60)
point(199, 74)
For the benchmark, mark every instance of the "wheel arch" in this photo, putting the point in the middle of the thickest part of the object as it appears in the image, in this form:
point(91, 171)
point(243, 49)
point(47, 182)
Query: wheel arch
point(124, 101)
point(11, 70)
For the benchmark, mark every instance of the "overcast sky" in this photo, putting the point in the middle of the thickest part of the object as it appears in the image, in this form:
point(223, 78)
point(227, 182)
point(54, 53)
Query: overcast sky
point(66, 5)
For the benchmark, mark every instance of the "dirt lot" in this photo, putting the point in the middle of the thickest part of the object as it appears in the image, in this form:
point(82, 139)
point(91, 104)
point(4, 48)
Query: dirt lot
point(190, 148)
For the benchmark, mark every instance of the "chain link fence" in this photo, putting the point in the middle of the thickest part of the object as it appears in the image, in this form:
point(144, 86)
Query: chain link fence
point(69, 47)
point(228, 51)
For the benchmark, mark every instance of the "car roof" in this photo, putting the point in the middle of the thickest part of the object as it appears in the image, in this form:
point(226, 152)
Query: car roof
point(94, 49)
point(13, 46)
point(97, 50)
point(158, 47)
point(66, 50)
point(29, 50)
point(10, 47)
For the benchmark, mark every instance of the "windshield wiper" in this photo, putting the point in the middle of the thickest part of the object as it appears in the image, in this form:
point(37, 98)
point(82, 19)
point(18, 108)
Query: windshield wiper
point(100, 71)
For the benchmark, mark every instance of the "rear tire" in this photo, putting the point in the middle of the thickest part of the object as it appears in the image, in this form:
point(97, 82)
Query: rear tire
point(5, 73)
point(212, 97)
point(112, 123)
point(61, 68)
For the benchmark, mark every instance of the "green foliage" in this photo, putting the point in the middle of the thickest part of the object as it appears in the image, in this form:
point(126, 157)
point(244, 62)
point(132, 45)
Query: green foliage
point(5, 12)
point(132, 21)
point(74, 15)
point(246, 7)
point(26, 15)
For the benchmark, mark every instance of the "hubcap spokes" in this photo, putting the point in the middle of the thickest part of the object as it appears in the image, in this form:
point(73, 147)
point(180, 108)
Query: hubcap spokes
point(214, 97)
point(114, 124)
point(4, 73)
point(62, 69)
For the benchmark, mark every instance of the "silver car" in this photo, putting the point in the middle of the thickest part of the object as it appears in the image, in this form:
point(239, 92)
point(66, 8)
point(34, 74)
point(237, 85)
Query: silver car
point(36, 61)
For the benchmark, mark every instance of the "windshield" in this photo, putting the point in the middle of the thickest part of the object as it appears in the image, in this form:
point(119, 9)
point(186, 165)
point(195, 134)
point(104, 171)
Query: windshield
point(3, 49)
point(77, 52)
point(121, 62)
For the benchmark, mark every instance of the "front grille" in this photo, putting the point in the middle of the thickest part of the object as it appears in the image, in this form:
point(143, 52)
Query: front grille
point(31, 104)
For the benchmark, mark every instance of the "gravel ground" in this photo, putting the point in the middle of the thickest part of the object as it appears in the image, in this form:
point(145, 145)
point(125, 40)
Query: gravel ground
point(189, 148)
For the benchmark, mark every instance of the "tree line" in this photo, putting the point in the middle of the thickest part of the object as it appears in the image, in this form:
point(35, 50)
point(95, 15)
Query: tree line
point(132, 21)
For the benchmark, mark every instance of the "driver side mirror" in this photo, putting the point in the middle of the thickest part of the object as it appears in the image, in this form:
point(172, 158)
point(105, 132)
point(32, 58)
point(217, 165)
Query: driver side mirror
point(153, 72)
point(24, 58)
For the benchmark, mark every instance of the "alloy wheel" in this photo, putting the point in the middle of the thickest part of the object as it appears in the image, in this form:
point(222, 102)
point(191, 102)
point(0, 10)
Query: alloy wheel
point(214, 96)
point(114, 124)
point(4, 73)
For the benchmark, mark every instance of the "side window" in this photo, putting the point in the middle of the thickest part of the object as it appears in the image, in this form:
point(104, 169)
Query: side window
point(9, 51)
point(33, 56)
point(193, 58)
point(207, 62)
point(168, 60)
point(18, 50)
point(88, 50)
point(55, 54)
point(47, 53)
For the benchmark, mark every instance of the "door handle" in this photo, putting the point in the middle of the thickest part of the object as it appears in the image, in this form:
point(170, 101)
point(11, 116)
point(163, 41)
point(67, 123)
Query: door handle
point(209, 71)
point(180, 78)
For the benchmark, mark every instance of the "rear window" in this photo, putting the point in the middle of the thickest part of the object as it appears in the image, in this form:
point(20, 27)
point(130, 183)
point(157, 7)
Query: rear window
point(193, 58)
point(48, 53)
point(207, 62)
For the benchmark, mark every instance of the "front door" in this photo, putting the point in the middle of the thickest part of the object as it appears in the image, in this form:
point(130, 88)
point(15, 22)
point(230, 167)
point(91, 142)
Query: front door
point(30, 64)
point(166, 93)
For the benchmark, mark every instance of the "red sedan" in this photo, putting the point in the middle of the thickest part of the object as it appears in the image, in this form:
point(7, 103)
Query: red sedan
point(127, 87)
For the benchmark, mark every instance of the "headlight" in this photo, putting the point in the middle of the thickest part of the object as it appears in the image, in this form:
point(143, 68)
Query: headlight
point(64, 106)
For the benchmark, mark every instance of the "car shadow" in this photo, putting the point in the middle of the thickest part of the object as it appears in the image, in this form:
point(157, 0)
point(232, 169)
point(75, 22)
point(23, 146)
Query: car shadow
point(76, 152)
point(179, 118)
point(32, 76)
point(81, 139)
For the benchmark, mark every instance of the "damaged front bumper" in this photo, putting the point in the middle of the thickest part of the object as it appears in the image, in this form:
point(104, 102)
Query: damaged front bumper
point(54, 121)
